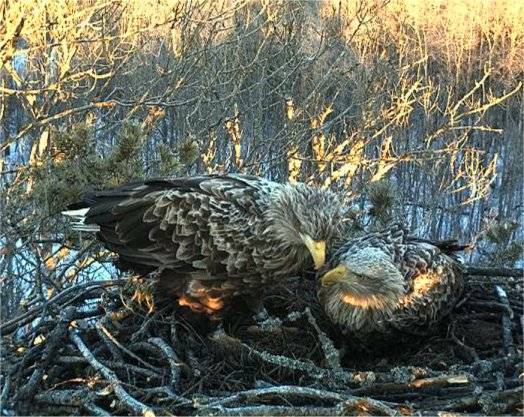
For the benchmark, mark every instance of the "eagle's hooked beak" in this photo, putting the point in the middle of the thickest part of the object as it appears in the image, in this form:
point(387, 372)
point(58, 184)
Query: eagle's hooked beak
point(334, 275)
point(317, 248)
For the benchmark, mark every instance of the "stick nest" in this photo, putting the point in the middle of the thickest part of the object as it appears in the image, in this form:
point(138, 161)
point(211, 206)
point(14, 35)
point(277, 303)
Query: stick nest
point(104, 348)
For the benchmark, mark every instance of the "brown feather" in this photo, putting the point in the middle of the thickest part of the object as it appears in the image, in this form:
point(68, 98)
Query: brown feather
point(213, 237)
point(430, 284)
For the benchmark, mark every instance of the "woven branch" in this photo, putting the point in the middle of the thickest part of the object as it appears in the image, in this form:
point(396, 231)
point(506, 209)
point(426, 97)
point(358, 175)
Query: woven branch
point(122, 360)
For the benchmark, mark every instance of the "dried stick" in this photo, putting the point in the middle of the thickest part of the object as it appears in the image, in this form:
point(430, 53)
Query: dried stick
point(114, 365)
point(302, 392)
point(126, 399)
point(103, 333)
point(74, 397)
point(52, 343)
point(347, 404)
point(490, 403)
point(493, 272)
point(507, 338)
point(367, 406)
point(271, 410)
point(124, 349)
point(471, 353)
point(192, 361)
point(5, 390)
point(95, 409)
point(283, 361)
point(144, 328)
point(25, 318)
point(331, 354)
point(79, 398)
point(441, 380)
point(174, 362)
point(281, 390)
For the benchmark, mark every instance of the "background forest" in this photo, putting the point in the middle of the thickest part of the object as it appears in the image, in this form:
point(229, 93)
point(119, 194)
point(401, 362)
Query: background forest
point(412, 109)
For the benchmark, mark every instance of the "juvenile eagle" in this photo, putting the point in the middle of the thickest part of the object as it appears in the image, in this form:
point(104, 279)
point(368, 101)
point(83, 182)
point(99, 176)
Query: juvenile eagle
point(389, 281)
point(210, 238)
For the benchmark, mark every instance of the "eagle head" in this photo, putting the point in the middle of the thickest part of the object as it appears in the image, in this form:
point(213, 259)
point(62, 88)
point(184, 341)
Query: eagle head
point(305, 220)
point(361, 286)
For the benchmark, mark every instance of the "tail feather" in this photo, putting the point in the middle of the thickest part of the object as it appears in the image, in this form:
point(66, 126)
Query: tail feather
point(76, 214)
point(78, 218)
point(117, 215)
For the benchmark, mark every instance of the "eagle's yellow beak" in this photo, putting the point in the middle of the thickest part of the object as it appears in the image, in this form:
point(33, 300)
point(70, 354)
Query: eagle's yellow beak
point(334, 275)
point(317, 248)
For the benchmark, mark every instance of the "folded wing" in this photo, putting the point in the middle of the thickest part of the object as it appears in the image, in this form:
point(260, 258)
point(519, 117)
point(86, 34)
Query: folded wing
point(185, 224)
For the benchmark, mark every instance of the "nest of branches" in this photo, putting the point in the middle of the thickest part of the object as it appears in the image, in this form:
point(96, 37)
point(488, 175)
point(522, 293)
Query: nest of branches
point(104, 348)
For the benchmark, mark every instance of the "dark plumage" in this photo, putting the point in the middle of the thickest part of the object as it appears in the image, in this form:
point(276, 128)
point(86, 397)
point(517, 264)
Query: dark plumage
point(388, 281)
point(213, 237)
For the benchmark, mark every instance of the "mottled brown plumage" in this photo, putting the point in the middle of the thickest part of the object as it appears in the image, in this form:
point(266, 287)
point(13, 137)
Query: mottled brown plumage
point(389, 281)
point(213, 237)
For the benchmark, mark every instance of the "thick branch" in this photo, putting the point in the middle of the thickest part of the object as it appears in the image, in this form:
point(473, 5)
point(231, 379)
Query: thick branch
point(174, 362)
point(130, 402)
point(507, 338)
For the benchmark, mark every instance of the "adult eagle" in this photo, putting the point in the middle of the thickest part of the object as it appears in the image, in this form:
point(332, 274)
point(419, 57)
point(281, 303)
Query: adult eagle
point(210, 238)
point(388, 281)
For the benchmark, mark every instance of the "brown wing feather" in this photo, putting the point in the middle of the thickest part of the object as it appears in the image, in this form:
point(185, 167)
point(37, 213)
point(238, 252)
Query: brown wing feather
point(433, 285)
point(185, 224)
point(430, 277)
